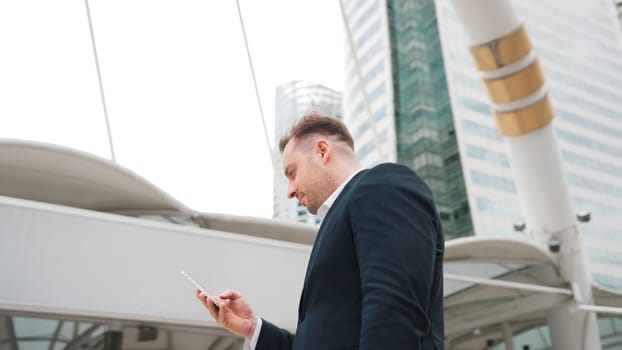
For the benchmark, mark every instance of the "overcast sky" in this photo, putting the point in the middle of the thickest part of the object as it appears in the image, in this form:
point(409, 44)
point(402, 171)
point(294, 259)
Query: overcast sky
point(178, 86)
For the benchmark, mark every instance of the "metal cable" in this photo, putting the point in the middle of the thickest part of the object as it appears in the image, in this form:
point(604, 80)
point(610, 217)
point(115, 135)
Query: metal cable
point(99, 79)
point(275, 171)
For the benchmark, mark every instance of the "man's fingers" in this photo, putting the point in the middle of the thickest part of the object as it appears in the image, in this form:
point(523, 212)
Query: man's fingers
point(222, 315)
point(209, 305)
point(220, 301)
point(231, 311)
point(201, 295)
point(230, 294)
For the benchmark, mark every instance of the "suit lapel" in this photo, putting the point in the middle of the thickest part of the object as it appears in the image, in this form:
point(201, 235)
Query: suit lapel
point(321, 233)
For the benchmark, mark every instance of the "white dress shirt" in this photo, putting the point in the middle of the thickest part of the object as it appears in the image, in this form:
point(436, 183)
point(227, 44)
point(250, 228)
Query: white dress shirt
point(323, 210)
point(321, 213)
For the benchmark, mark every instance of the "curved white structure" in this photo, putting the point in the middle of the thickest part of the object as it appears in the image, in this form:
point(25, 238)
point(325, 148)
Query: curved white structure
point(499, 288)
point(61, 175)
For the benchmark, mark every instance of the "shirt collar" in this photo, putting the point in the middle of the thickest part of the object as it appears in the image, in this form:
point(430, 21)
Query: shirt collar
point(323, 210)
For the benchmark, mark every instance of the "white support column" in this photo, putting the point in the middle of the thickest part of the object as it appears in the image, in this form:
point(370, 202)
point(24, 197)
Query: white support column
point(508, 336)
point(523, 113)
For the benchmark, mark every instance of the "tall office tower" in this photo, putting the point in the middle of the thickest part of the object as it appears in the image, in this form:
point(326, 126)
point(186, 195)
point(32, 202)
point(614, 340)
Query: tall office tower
point(395, 96)
point(293, 100)
point(440, 106)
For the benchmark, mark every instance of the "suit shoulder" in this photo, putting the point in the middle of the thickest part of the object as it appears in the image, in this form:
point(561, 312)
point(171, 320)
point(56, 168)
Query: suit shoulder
point(386, 171)
point(393, 175)
point(392, 167)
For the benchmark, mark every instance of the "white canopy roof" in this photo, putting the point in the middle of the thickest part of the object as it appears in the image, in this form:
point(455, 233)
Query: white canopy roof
point(60, 175)
point(475, 312)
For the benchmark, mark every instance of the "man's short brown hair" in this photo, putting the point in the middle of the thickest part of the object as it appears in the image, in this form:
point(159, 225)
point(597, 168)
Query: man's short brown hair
point(315, 123)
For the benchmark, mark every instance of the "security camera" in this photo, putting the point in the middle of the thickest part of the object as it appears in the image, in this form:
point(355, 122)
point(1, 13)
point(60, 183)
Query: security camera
point(584, 216)
point(554, 244)
point(519, 226)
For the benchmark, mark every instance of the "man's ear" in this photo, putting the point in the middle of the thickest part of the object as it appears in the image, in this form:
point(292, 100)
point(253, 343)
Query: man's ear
point(322, 147)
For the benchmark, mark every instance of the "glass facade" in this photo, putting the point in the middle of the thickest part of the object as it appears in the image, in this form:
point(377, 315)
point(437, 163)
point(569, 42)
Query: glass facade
point(293, 100)
point(19, 332)
point(426, 139)
point(368, 90)
point(420, 132)
point(30, 333)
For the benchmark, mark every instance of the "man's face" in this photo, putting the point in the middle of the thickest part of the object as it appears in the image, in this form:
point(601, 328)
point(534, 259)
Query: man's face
point(307, 178)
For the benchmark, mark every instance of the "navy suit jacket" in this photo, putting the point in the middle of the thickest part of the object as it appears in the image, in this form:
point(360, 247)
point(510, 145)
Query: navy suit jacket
point(374, 278)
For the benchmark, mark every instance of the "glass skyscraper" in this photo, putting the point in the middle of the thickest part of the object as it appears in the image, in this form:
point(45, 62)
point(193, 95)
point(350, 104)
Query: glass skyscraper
point(293, 100)
point(437, 115)
point(396, 47)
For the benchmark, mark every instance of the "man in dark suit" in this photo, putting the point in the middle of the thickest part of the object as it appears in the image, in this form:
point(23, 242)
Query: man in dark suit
point(374, 277)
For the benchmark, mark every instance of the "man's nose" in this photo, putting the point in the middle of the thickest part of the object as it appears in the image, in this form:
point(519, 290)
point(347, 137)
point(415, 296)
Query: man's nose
point(291, 190)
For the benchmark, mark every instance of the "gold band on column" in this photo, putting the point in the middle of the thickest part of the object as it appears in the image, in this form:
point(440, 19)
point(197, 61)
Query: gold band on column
point(517, 85)
point(502, 51)
point(525, 120)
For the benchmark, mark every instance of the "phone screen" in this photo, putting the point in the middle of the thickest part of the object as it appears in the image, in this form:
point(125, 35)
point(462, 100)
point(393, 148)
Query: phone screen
point(196, 284)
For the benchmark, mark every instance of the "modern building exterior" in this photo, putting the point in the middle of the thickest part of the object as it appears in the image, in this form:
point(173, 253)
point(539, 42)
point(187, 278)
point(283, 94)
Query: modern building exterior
point(394, 65)
point(293, 100)
point(434, 115)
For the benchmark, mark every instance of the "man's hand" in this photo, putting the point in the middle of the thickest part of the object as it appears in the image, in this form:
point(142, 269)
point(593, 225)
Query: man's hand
point(233, 312)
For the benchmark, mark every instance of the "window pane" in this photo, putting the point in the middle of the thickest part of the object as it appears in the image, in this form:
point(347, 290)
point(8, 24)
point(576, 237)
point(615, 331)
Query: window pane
point(34, 327)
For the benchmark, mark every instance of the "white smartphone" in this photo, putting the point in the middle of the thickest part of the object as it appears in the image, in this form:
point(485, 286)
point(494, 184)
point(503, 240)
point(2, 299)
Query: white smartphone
point(196, 284)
